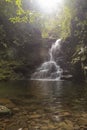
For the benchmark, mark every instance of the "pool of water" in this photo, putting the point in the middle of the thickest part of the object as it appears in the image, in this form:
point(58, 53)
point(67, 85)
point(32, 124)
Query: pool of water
point(46, 105)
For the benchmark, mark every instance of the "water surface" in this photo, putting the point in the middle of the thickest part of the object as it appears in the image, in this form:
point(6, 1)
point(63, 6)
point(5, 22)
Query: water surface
point(46, 104)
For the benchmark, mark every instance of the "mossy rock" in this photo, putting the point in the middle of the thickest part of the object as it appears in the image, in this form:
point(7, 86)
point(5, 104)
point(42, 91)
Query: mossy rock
point(4, 110)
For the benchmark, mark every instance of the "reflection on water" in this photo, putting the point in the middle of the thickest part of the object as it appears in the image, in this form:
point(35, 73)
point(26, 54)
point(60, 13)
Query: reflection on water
point(67, 94)
point(45, 104)
point(46, 89)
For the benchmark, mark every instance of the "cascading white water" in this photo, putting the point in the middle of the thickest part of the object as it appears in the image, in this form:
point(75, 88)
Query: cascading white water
point(49, 70)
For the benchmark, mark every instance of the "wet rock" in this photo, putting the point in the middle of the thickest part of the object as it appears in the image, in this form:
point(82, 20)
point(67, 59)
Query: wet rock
point(44, 128)
point(82, 121)
point(4, 110)
point(51, 126)
point(66, 126)
point(7, 102)
point(84, 115)
point(36, 127)
point(24, 113)
point(45, 121)
point(67, 77)
point(77, 127)
point(55, 118)
point(16, 109)
point(6, 120)
point(66, 113)
point(20, 129)
point(25, 129)
point(12, 126)
point(35, 116)
point(85, 128)
point(68, 122)
point(23, 124)
point(4, 101)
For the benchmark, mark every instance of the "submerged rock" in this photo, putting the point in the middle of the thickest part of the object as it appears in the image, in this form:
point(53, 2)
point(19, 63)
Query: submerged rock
point(7, 102)
point(66, 125)
point(66, 77)
point(4, 110)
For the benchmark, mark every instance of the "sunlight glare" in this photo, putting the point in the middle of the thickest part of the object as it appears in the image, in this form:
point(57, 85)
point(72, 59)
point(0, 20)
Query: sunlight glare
point(49, 6)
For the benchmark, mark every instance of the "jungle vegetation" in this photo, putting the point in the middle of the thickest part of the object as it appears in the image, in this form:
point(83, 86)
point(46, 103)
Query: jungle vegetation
point(24, 28)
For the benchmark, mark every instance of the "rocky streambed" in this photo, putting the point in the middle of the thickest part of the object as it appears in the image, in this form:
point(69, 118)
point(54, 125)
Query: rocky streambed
point(33, 114)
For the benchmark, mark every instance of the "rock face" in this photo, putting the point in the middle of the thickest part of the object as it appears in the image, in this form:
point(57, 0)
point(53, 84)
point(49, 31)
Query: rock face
point(23, 55)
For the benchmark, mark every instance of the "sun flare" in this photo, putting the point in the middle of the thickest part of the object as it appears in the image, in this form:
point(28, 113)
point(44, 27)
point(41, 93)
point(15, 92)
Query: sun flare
point(49, 6)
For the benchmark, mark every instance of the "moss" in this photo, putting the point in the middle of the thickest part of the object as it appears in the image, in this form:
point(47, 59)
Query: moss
point(7, 70)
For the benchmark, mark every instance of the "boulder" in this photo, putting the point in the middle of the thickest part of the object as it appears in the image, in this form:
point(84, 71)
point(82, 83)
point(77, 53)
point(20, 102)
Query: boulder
point(4, 110)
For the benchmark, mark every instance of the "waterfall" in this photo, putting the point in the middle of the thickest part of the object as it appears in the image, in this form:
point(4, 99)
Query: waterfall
point(49, 70)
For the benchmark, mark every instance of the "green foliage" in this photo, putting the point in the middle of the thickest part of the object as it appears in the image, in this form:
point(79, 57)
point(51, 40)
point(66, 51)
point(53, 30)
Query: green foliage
point(56, 25)
point(21, 14)
point(18, 19)
point(65, 23)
